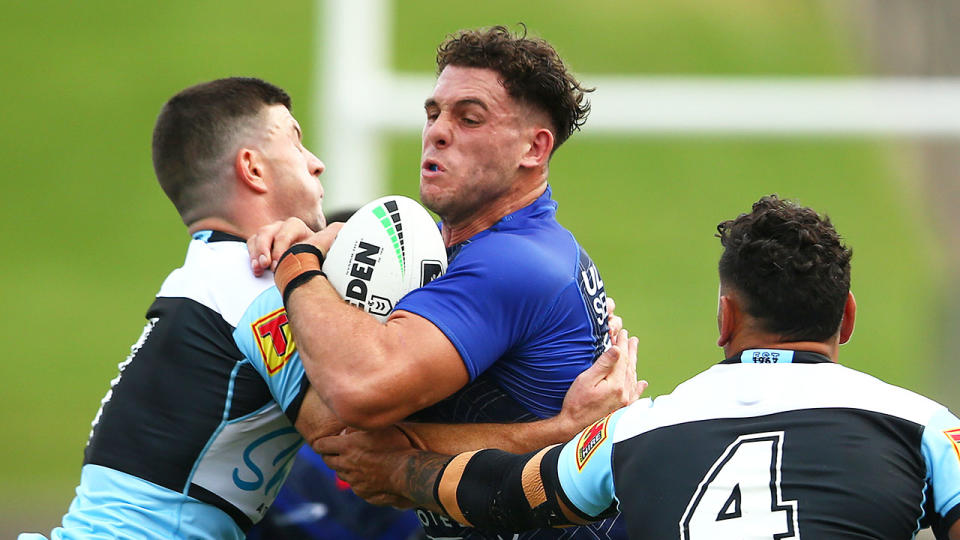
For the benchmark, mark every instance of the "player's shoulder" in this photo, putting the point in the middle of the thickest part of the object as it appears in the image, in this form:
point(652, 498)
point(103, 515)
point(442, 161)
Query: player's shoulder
point(747, 390)
point(869, 392)
point(543, 250)
point(218, 276)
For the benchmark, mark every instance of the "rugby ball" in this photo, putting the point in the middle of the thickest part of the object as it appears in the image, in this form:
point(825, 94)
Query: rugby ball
point(386, 249)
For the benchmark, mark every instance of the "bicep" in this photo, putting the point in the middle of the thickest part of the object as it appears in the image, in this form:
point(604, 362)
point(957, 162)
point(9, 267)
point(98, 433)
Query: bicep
point(479, 307)
point(427, 366)
point(419, 367)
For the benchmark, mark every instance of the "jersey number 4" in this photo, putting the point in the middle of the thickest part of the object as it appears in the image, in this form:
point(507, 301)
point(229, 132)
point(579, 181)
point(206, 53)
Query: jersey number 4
point(739, 497)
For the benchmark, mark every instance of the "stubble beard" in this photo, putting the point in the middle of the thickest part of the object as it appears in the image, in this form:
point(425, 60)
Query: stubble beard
point(459, 207)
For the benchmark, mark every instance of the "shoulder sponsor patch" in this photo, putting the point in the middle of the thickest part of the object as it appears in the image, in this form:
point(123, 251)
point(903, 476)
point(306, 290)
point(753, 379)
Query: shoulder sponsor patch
point(274, 339)
point(590, 440)
point(954, 436)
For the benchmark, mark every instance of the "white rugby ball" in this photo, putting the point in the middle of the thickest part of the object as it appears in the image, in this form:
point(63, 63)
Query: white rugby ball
point(386, 249)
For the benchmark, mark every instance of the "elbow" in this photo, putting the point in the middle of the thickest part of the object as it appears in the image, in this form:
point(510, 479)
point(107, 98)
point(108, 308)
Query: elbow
point(365, 410)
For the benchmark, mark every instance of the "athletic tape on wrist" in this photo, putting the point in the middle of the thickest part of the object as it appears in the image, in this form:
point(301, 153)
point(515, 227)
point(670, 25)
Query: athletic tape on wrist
point(437, 497)
point(298, 265)
point(298, 281)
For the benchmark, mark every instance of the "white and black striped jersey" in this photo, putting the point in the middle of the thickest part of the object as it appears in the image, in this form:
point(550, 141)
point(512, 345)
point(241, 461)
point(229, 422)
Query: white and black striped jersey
point(772, 444)
point(196, 436)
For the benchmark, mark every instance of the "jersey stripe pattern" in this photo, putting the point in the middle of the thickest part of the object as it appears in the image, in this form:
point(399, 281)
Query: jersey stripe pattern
point(198, 426)
point(809, 450)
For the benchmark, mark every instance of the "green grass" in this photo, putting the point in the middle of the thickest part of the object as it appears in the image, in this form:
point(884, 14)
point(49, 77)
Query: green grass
point(89, 236)
point(711, 37)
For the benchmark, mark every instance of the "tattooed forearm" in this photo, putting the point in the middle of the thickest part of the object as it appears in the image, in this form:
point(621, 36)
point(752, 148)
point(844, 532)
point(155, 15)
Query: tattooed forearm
point(420, 475)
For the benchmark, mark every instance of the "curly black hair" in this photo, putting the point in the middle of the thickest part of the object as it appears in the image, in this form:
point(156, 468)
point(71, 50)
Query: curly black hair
point(530, 69)
point(790, 266)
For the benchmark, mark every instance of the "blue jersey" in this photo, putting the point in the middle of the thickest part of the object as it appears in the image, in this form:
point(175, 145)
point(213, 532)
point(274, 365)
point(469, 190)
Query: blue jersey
point(772, 444)
point(195, 436)
point(522, 303)
point(525, 308)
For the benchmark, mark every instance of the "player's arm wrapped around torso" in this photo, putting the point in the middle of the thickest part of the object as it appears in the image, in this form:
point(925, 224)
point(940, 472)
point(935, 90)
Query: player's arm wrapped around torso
point(502, 492)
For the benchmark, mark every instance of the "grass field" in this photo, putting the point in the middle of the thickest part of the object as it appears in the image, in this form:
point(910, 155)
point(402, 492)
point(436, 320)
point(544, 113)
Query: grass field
point(89, 236)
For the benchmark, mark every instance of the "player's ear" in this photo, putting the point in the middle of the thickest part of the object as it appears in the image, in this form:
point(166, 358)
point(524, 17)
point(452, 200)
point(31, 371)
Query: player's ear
point(849, 317)
point(538, 153)
point(249, 167)
point(726, 319)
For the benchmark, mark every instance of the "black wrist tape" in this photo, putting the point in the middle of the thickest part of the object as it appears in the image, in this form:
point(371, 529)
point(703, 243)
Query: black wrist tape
point(298, 281)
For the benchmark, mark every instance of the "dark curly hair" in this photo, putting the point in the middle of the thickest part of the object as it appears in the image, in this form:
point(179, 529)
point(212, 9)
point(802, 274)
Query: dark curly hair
point(530, 69)
point(790, 267)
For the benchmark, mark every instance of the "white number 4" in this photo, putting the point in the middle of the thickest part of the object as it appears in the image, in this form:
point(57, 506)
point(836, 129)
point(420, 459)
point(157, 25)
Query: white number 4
point(739, 497)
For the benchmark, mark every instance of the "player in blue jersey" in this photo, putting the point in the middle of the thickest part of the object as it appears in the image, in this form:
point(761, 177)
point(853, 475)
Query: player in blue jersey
point(315, 504)
point(776, 441)
point(521, 309)
point(197, 433)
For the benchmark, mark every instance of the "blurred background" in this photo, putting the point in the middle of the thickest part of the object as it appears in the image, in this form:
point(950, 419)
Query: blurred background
point(90, 236)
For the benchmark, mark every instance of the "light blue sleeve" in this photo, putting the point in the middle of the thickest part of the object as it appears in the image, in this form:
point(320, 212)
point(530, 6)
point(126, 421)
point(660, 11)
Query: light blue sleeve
point(941, 451)
point(264, 337)
point(585, 468)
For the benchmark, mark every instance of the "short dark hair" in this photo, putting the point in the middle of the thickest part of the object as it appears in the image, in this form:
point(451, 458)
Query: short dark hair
point(193, 131)
point(530, 70)
point(790, 267)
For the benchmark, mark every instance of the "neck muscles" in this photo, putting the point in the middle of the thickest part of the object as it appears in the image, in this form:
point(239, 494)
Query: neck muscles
point(486, 217)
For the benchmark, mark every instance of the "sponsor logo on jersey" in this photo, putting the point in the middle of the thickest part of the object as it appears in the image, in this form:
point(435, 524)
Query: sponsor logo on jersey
point(954, 436)
point(274, 339)
point(280, 447)
point(590, 440)
point(595, 298)
point(766, 356)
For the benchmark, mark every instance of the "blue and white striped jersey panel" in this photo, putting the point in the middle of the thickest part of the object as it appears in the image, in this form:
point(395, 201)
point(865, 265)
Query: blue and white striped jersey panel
point(826, 450)
point(241, 299)
point(225, 264)
point(201, 415)
point(285, 374)
point(245, 471)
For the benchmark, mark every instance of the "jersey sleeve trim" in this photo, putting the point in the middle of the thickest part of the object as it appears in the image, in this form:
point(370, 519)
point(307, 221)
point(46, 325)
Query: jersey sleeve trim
point(585, 470)
point(950, 518)
point(293, 409)
point(571, 512)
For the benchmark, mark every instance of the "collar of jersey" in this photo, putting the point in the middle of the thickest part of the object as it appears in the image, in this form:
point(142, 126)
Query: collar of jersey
point(216, 236)
point(776, 356)
point(544, 207)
